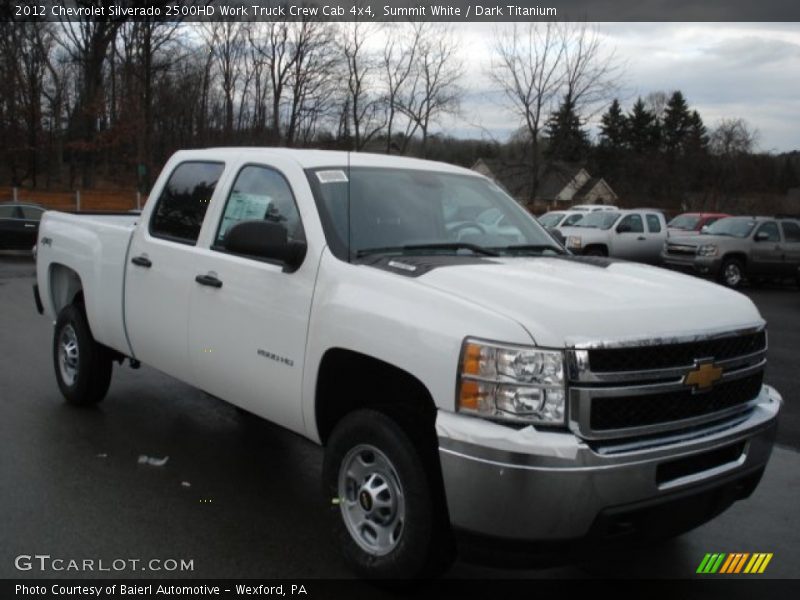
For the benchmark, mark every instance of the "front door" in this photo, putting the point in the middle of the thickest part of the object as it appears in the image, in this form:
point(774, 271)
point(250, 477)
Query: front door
point(248, 326)
point(629, 240)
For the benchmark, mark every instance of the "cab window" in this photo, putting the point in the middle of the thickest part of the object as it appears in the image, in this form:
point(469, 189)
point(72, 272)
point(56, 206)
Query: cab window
point(182, 204)
point(771, 231)
point(631, 224)
point(260, 193)
point(653, 223)
point(31, 213)
point(791, 231)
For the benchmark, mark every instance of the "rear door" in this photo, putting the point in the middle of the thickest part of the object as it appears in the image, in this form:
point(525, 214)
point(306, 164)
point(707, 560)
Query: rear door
point(791, 248)
point(160, 271)
point(767, 254)
point(247, 331)
point(656, 236)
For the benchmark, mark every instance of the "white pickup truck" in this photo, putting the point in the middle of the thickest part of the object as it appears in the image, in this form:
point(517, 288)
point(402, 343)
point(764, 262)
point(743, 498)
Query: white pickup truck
point(484, 383)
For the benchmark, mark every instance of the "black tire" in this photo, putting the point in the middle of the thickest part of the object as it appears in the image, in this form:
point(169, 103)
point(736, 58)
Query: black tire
point(84, 379)
point(731, 273)
point(422, 545)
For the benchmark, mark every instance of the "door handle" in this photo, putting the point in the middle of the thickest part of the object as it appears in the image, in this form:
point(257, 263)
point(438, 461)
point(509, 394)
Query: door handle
point(641, 238)
point(30, 225)
point(208, 280)
point(142, 261)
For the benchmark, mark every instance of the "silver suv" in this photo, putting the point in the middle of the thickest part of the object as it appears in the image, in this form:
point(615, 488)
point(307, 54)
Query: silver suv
point(736, 248)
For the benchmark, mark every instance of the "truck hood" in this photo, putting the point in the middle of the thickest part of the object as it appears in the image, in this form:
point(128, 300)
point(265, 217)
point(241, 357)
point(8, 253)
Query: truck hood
point(563, 302)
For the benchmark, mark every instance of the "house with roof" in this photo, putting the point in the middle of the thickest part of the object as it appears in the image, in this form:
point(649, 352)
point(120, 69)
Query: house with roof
point(560, 185)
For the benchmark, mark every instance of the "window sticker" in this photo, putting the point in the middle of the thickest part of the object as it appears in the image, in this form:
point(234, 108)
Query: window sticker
point(337, 176)
point(244, 207)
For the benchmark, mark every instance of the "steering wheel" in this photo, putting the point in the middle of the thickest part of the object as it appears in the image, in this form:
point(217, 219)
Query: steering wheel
point(461, 227)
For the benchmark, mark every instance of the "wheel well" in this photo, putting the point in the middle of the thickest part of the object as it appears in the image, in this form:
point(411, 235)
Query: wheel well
point(350, 380)
point(741, 257)
point(65, 287)
point(602, 247)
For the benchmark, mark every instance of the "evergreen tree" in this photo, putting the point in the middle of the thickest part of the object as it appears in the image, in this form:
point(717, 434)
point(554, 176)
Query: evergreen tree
point(612, 127)
point(567, 140)
point(642, 132)
point(697, 135)
point(676, 124)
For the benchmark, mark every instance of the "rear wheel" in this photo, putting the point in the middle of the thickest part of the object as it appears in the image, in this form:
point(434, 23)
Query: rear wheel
point(83, 367)
point(732, 272)
point(386, 511)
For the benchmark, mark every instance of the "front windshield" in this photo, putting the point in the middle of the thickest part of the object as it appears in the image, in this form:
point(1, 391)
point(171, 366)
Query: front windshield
point(685, 222)
point(739, 227)
point(422, 212)
point(551, 219)
point(601, 219)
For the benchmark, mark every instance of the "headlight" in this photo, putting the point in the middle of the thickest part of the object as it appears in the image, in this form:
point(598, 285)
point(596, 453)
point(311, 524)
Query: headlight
point(707, 250)
point(512, 383)
point(574, 241)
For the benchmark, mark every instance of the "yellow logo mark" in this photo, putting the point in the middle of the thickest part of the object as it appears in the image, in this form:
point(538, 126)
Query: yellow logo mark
point(704, 376)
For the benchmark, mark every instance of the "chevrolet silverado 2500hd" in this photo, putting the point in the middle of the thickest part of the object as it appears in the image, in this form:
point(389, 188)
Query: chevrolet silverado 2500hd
point(462, 379)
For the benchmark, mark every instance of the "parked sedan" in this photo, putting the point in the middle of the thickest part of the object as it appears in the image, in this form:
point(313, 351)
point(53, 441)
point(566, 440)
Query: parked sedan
point(561, 218)
point(630, 234)
point(736, 248)
point(692, 223)
point(19, 225)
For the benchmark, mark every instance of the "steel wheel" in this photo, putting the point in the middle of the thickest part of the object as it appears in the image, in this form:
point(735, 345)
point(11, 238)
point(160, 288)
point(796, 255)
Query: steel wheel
point(371, 500)
point(68, 355)
point(732, 274)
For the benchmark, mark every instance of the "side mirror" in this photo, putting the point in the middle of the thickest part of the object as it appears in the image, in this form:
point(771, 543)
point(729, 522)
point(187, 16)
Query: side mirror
point(623, 228)
point(704, 229)
point(265, 240)
point(762, 236)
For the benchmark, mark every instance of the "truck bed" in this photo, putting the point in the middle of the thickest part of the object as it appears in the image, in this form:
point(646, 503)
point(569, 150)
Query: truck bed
point(94, 248)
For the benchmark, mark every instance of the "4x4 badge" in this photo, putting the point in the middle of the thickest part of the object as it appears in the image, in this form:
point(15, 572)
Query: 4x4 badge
point(703, 376)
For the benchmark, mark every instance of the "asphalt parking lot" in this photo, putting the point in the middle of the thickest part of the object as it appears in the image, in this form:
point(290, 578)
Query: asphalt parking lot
point(241, 498)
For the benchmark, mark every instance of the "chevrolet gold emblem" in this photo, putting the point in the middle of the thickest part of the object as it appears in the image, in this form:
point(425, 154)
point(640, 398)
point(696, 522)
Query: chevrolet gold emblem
point(703, 376)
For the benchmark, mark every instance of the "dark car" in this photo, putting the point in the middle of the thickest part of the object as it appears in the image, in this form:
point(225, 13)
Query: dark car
point(19, 225)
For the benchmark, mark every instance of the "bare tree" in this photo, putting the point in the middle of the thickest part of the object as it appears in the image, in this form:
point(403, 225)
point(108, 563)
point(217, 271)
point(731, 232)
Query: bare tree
point(548, 63)
point(732, 137)
point(526, 67)
point(364, 104)
point(399, 56)
point(433, 89)
point(226, 44)
point(87, 42)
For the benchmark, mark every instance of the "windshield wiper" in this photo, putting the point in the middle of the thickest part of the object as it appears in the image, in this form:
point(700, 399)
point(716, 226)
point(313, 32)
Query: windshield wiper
point(411, 248)
point(538, 248)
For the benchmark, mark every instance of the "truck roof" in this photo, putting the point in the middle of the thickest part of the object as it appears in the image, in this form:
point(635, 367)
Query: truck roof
point(313, 159)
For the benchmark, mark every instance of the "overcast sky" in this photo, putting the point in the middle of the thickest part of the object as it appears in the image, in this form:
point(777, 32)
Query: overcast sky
point(725, 70)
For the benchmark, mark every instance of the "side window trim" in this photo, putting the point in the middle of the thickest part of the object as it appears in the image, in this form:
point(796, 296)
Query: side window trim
point(154, 212)
point(218, 248)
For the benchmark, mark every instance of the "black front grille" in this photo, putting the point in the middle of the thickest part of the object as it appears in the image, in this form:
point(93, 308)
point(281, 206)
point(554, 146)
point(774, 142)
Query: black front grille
point(681, 250)
point(642, 358)
point(656, 409)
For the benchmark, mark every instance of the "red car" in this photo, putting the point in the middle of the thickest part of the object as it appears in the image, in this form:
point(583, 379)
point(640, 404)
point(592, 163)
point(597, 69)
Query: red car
point(692, 223)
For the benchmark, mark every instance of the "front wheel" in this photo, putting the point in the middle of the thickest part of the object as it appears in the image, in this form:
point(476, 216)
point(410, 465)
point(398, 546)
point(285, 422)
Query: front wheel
point(732, 273)
point(83, 367)
point(384, 507)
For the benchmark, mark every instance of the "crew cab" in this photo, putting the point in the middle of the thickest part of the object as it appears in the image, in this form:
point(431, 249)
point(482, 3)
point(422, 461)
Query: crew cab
point(737, 248)
point(467, 384)
point(630, 234)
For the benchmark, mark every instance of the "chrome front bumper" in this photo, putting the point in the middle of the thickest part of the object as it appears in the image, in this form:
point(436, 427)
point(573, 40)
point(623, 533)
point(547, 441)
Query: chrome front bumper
point(536, 485)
